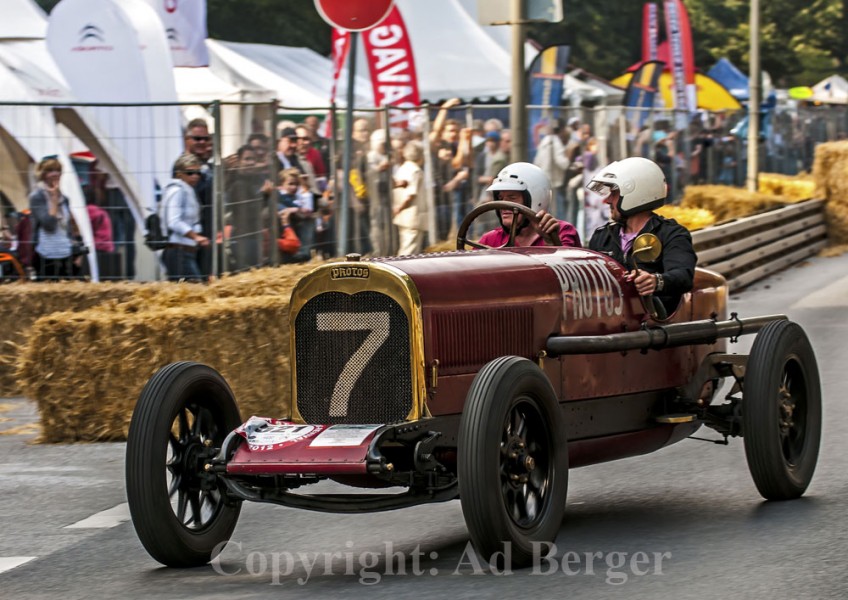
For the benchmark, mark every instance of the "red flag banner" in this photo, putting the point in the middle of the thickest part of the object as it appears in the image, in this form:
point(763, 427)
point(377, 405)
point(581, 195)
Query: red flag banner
point(388, 50)
point(650, 31)
point(672, 26)
point(341, 46)
point(340, 49)
point(682, 58)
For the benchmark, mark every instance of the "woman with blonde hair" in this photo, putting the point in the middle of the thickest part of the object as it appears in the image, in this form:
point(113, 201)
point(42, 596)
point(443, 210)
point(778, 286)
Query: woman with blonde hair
point(52, 223)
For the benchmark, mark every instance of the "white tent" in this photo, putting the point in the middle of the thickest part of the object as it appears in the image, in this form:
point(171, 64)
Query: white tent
point(454, 56)
point(300, 77)
point(832, 90)
point(33, 129)
point(122, 56)
point(28, 74)
point(22, 20)
point(581, 86)
point(202, 85)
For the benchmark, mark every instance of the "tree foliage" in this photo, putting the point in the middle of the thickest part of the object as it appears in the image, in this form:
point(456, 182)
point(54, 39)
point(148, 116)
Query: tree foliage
point(802, 41)
point(289, 23)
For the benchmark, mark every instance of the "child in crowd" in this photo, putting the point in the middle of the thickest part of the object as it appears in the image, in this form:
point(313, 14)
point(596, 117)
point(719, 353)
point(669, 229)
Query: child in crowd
point(296, 206)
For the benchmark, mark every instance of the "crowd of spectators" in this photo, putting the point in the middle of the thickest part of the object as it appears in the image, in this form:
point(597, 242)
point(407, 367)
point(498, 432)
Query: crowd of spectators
point(281, 192)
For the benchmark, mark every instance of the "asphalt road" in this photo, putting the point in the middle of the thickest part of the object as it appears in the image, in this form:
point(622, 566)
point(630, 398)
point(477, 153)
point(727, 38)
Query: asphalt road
point(685, 522)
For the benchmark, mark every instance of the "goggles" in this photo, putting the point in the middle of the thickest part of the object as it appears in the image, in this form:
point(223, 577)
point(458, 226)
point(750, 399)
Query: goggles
point(601, 189)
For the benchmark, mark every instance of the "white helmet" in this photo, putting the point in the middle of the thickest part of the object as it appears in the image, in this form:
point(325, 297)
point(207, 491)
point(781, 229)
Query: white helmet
point(640, 182)
point(528, 179)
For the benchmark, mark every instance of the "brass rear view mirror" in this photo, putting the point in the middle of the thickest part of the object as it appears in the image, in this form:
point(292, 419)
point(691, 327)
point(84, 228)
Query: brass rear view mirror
point(646, 248)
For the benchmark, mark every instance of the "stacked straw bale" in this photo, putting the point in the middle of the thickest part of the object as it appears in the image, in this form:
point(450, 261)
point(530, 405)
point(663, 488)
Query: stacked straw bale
point(21, 304)
point(691, 218)
point(792, 188)
point(726, 202)
point(830, 171)
point(86, 369)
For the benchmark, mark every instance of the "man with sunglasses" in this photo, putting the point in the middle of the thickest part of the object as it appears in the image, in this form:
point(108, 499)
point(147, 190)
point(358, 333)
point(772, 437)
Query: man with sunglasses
point(198, 142)
point(633, 188)
point(287, 151)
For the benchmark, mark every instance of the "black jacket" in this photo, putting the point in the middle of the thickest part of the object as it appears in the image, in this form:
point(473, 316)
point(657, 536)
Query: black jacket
point(676, 263)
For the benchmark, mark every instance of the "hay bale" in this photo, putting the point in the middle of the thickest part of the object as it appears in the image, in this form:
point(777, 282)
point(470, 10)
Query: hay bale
point(726, 202)
point(446, 246)
point(793, 188)
point(691, 218)
point(86, 369)
point(22, 304)
point(830, 170)
point(832, 251)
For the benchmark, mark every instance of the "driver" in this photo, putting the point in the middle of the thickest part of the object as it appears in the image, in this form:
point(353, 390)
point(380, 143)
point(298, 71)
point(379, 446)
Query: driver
point(633, 188)
point(525, 183)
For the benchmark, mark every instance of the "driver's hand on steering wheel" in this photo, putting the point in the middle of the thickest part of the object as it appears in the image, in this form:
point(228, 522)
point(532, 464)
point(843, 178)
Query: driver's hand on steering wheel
point(646, 283)
point(548, 224)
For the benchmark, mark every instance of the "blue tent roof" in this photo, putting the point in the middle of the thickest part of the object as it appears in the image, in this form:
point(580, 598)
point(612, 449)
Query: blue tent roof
point(736, 82)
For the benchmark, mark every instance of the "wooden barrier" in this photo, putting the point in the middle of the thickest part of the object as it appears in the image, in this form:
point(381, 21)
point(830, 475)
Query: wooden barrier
point(747, 249)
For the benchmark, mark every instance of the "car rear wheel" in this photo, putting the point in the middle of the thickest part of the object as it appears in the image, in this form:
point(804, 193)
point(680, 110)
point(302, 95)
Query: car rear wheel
point(781, 411)
point(180, 512)
point(512, 461)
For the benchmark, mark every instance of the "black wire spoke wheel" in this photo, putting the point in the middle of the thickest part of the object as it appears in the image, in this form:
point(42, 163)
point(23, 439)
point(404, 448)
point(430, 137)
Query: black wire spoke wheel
point(180, 511)
point(781, 410)
point(513, 461)
point(195, 502)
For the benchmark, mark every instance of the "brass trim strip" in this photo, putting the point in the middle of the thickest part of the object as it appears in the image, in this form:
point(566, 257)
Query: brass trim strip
point(675, 418)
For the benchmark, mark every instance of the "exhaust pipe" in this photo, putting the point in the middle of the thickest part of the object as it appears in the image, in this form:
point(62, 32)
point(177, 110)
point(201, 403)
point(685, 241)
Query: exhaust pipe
point(656, 338)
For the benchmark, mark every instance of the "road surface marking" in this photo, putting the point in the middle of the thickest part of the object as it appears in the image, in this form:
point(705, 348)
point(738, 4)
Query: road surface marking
point(834, 295)
point(105, 519)
point(7, 563)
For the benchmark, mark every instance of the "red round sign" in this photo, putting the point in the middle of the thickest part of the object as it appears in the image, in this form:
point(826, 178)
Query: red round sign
point(353, 15)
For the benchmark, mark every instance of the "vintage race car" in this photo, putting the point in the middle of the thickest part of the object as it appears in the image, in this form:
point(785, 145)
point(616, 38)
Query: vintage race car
point(482, 375)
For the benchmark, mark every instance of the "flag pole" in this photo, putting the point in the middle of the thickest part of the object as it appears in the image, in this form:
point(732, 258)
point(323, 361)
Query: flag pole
point(754, 98)
point(518, 106)
point(348, 134)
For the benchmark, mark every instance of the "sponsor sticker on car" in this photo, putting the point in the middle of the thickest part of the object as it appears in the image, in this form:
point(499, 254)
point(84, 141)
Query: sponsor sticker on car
point(343, 435)
point(271, 434)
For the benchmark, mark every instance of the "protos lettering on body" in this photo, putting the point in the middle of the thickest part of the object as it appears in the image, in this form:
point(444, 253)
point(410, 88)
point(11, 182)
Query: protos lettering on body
point(593, 289)
point(347, 272)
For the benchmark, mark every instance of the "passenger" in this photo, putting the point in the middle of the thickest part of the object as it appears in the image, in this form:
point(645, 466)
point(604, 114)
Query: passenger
point(526, 184)
point(633, 188)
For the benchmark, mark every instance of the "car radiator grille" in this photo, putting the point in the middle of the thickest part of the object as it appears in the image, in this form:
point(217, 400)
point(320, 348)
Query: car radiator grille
point(353, 363)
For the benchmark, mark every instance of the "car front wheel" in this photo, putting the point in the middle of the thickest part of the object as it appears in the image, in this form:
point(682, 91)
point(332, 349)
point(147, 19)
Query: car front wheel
point(513, 461)
point(180, 512)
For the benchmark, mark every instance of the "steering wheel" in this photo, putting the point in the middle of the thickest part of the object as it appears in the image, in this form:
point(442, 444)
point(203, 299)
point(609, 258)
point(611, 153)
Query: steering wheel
point(517, 209)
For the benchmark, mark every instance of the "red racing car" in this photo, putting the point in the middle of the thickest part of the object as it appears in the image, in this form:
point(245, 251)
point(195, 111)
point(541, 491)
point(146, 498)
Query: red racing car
point(481, 375)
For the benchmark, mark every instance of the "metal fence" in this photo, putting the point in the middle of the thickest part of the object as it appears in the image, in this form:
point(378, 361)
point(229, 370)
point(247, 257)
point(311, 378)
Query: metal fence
point(242, 193)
